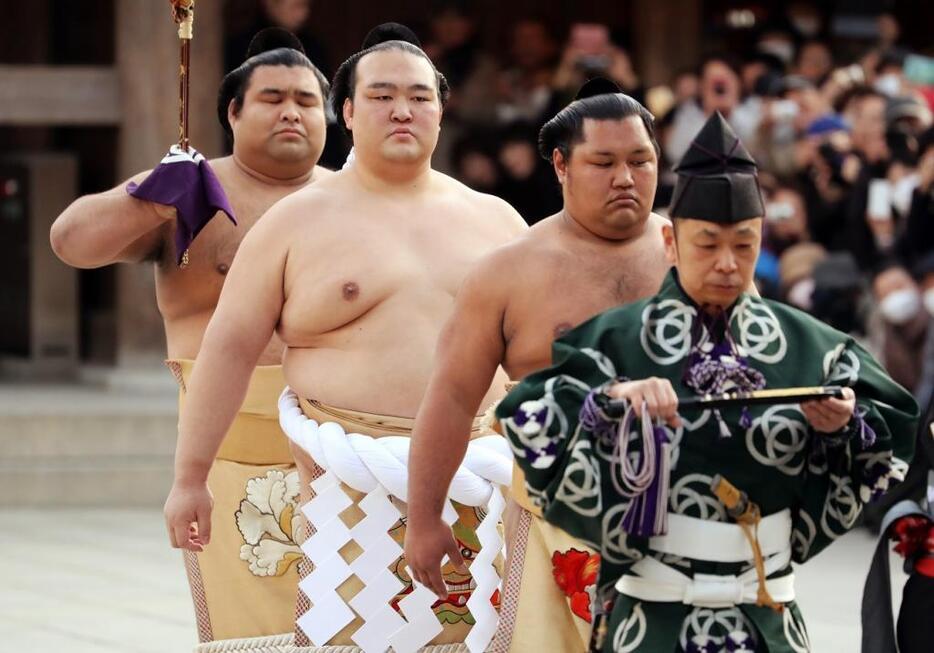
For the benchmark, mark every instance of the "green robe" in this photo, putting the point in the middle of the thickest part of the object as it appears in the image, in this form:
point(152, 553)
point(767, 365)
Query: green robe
point(779, 461)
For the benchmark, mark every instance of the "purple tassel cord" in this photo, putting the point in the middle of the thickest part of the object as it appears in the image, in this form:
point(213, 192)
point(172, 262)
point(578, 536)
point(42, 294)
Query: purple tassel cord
point(720, 370)
point(647, 484)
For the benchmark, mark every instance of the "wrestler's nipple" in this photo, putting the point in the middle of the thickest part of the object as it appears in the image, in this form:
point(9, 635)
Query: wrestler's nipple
point(350, 291)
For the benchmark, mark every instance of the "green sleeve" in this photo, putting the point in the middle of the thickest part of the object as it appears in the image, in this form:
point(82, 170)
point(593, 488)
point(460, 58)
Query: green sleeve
point(849, 469)
point(540, 417)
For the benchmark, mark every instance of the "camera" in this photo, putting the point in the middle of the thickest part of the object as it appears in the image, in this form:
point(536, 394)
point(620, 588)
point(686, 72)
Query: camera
point(834, 160)
point(593, 62)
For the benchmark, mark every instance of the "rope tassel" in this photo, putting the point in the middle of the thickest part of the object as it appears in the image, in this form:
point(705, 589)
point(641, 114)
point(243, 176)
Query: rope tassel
point(647, 485)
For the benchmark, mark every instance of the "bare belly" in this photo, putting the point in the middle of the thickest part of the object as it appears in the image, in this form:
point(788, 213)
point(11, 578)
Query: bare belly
point(387, 381)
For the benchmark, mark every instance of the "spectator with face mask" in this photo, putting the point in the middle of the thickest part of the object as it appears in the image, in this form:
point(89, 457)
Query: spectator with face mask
point(900, 327)
point(796, 273)
point(786, 220)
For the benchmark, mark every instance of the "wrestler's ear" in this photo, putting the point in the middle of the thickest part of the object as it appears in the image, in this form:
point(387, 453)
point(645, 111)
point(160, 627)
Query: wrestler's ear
point(232, 111)
point(347, 111)
point(560, 165)
point(671, 245)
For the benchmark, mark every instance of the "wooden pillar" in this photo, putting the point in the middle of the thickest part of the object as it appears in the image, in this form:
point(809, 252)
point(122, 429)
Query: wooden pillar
point(666, 37)
point(147, 49)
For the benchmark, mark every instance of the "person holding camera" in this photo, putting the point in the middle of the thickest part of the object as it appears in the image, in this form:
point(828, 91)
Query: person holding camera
point(590, 53)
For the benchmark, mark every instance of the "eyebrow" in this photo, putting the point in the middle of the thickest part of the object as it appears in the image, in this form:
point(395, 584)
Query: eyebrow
point(279, 91)
point(393, 87)
point(638, 150)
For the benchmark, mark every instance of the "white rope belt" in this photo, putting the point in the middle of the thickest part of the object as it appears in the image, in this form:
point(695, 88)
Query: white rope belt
point(652, 580)
point(715, 541)
point(379, 468)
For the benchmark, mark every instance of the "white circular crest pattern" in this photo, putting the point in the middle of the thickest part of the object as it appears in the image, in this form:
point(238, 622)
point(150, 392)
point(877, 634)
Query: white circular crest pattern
point(631, 631)
point(666, 330)
point(841, 365)
point(602, 361)
point(580, 484)
point(841, 508)
point(795, 633)
point(777, 438)
point(691, 496)
point(716, 624)
point(802, 535)
point(677, 434)
point(615, 543)
point(759, 333)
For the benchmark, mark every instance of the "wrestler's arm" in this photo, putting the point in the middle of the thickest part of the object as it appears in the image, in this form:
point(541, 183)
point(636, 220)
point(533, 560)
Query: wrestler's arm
point(110, 227)
point(469, 350)
point(243, 323)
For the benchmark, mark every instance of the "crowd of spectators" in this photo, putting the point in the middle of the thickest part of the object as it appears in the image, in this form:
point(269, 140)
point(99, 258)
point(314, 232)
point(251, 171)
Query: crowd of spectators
point(843, 138)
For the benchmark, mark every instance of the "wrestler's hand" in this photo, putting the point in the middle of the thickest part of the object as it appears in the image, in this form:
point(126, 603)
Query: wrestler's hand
point(830, 414)
point(658, 394)
point(425, 545)
point(188, 515)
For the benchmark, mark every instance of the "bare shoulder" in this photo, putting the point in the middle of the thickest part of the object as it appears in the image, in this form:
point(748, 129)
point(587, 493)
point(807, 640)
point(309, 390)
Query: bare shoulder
point(533, 252)
point(484, 205)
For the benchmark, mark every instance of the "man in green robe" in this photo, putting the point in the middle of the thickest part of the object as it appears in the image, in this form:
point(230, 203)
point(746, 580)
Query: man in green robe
point(677, 572)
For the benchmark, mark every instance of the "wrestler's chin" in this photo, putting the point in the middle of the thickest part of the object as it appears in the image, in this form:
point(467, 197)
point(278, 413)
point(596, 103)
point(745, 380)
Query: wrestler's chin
point(403, 152)
point(623, 218)
point(290, 151)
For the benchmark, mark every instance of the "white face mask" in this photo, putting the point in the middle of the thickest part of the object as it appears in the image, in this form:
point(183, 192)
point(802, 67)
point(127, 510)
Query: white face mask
point(800, 294)
point(888, 84)
point(900, 306)
point(929, 300)
point(781, 49)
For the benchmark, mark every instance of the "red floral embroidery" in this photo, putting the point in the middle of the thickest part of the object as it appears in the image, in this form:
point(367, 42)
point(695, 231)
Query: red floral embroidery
point(909, 532)
point(575, 573)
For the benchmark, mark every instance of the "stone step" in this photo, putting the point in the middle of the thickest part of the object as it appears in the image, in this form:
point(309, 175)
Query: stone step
point(86, 445)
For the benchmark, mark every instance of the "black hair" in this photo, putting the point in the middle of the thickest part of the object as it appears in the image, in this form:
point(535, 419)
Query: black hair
point(566, 129)
point(345, 79)
point(235, 83)
point(893, 57)
point(728, 59)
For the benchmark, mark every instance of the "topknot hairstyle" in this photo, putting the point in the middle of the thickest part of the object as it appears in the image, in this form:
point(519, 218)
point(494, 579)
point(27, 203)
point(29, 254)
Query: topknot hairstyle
point(388, 36)
point(270, 47)
point(598, 99)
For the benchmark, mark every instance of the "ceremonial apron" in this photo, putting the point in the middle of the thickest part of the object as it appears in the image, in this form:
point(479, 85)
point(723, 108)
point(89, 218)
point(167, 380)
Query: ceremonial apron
point(550, 579)
point(452, 612)
point(244, 583)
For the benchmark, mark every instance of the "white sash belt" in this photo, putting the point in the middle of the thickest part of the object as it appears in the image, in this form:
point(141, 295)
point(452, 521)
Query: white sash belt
point(715, 541)
point(700, 539)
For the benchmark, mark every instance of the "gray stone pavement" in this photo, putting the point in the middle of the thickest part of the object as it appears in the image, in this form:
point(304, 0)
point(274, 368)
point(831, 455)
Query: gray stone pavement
point(98, 580)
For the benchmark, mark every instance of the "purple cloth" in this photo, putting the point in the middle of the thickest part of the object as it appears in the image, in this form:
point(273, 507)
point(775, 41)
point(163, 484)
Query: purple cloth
point(185, 180)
